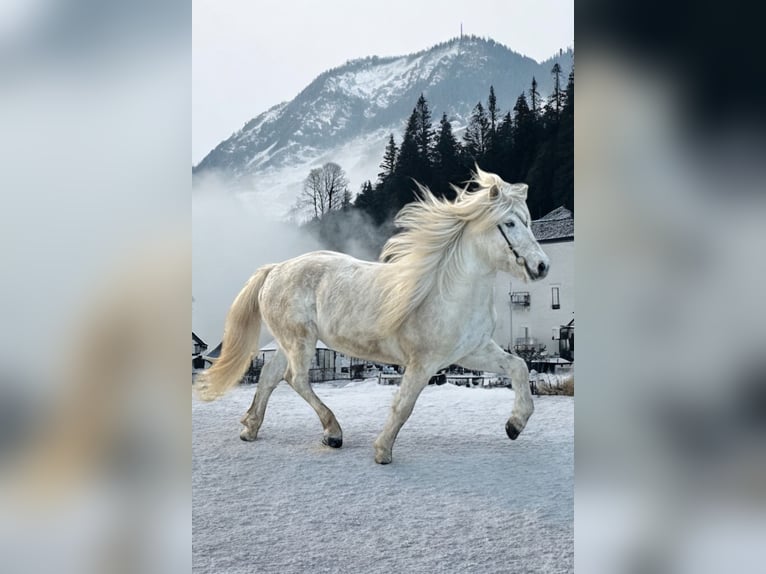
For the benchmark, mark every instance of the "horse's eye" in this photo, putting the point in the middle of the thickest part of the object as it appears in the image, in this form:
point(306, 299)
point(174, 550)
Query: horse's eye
point(510, 224)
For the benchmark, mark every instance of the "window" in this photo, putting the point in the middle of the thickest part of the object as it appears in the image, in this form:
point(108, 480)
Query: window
point(555, 303)
point(520, 298)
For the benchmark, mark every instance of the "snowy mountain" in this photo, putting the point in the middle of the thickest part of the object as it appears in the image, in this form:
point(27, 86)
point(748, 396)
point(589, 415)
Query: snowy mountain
point(346, 114)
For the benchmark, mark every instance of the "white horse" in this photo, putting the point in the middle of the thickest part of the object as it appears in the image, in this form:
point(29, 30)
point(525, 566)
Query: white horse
point(427, 304)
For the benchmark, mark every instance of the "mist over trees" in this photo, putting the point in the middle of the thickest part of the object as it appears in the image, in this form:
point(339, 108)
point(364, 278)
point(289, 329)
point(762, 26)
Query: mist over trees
point(325, 189)
point(533, 143)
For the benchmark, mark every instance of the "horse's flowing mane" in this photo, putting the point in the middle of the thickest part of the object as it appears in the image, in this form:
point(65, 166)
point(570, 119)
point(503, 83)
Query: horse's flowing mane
point(427, 254)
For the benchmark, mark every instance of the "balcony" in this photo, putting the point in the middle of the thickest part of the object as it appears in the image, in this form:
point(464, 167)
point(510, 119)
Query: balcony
point(520, 298)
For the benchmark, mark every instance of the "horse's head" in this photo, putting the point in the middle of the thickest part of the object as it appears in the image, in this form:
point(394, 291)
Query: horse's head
point(521, 254)
point(507, 235)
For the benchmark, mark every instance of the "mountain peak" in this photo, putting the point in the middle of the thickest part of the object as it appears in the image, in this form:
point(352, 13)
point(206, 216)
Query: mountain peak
point(375, 95)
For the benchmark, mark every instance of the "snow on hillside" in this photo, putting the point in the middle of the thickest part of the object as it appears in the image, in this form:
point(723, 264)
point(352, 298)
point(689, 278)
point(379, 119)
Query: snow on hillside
point(250, 132)
point(346, 114)
point(380, 84)
point(459, 497)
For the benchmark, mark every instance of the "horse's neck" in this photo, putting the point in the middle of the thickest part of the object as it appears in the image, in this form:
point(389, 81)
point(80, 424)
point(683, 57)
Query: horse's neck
point(472, 288)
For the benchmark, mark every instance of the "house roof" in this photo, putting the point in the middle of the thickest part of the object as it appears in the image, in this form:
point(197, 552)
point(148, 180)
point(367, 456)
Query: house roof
point(215, 353)
point(560, 212)
point(197, 339)
point(558, 225)
point(272, 346)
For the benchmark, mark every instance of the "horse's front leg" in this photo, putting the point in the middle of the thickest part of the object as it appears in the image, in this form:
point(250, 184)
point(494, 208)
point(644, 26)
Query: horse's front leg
point(413, 382)
point(492, 358)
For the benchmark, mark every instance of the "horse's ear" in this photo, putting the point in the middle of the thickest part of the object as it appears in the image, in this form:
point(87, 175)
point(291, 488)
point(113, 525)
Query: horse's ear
point(494, 192)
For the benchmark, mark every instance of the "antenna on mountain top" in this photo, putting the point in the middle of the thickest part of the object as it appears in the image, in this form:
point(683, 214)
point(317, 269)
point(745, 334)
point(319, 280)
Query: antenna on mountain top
point(461, 30)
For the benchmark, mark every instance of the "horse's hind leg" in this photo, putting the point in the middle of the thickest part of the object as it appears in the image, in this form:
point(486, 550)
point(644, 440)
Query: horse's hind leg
point(272, 373)
point(298, 378)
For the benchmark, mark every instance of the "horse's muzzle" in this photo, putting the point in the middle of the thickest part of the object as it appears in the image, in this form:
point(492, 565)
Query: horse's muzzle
point(539, 272)
point(542, 269)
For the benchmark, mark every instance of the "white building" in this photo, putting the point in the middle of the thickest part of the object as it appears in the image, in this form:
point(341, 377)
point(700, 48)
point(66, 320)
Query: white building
point(532, 312)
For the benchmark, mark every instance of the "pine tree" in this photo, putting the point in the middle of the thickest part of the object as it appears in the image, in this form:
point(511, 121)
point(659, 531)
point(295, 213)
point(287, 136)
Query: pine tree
point(415, 160)
point(477, 134)
point(557, 97)
point(534, 98)
point(401, 189)
point(389, 160)
point(504, 146)
point(492, 109)
point(447, 160)
point(492, 156)
point(407, 160)
point(524, 139)
point(424, 134)
point(372, 202)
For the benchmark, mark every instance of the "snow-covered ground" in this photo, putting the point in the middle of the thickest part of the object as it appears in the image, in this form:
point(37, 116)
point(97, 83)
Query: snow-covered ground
point(459, 496)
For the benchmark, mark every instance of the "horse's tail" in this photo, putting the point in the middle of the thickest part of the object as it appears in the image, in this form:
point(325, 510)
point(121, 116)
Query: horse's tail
point(240, 340)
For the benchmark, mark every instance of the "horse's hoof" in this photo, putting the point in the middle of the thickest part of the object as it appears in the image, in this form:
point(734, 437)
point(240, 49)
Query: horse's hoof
point(511, 430)
point(383, 458)
point(247, 436)
point(332, 442)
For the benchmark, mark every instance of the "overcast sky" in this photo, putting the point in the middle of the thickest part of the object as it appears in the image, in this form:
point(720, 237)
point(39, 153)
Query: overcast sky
point(249, 55)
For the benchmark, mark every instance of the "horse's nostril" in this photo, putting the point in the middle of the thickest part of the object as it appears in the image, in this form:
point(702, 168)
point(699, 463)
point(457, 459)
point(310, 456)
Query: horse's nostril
point(542, 268)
